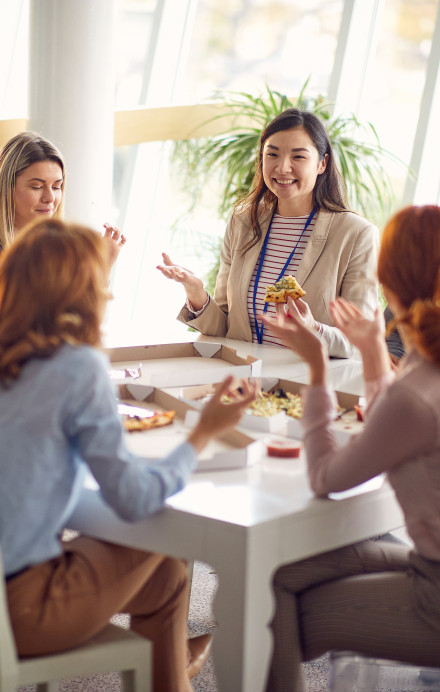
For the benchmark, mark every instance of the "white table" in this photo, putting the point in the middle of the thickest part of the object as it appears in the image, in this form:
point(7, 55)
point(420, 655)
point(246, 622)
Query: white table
point(277, 361)
point(345, 374)
point(245, 523)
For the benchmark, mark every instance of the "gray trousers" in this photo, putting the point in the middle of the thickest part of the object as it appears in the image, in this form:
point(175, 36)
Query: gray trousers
point(375, 598)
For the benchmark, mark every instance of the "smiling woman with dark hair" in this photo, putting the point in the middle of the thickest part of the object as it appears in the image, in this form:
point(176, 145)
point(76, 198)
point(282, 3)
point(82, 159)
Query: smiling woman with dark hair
point(294, 221)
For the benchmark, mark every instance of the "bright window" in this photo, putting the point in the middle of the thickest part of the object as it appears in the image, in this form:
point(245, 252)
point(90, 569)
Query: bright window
point(223, 45)
point(396, 76)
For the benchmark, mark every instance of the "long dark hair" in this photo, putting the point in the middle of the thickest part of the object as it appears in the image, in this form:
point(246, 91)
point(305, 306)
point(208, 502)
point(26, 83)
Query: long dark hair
point(329, 192)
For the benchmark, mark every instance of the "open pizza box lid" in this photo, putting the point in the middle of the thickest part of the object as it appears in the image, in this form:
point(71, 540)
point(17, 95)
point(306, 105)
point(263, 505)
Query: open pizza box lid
point(179, 364)
point(281, 424)
point(232, 450)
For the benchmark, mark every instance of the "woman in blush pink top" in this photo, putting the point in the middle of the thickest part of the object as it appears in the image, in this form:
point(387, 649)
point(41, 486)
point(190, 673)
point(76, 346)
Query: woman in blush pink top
point(374, 598)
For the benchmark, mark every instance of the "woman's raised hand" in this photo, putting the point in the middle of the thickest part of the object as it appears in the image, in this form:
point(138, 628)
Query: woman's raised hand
point(218, 416)
point(193, 286)
point(116, 240)
point(360, 331)
point(367, 335)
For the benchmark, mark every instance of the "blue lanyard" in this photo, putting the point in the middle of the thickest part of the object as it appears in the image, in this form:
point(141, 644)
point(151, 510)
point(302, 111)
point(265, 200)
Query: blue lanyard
point(258, 328)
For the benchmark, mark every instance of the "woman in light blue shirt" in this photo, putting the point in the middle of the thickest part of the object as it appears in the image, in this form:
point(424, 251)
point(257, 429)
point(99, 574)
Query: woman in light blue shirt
point(58, 413)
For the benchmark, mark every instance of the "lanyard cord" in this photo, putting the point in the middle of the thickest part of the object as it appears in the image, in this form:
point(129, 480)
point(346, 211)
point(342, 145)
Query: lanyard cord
point(259, 329)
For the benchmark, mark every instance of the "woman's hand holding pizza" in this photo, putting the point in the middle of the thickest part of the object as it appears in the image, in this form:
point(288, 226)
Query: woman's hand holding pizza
point(193, 286)
point(291, 328)
point(302, 311)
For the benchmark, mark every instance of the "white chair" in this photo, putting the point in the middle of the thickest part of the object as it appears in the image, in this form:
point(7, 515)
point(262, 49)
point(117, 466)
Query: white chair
point(350, 672)
point(114, 649)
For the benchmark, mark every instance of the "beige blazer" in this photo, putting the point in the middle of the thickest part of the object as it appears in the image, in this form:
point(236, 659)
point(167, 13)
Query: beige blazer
point(340, 259)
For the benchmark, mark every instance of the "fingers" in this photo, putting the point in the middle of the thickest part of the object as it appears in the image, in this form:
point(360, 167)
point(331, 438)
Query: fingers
point(223, 389)
point(344, 312)
point(281, 327)
point(217, 416)
point(298, 306)
point(291, 311)
point(248, 393)
point(336, 311)
point(242, 394)
point(345, 309)
point(172, 272)
point(169, 263)
point(113, 233)
point(284, 322)
point(273, 322)
point(295, 308)
point(166, 260)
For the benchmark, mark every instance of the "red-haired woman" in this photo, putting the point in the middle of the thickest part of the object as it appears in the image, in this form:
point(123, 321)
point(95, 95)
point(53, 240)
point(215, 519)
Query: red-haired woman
point(375, 598)
point(58, 414)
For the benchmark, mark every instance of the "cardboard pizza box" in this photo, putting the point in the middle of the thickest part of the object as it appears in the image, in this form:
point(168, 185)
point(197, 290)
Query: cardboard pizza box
point(344, 427)
point(232, 450)
point(179, 364)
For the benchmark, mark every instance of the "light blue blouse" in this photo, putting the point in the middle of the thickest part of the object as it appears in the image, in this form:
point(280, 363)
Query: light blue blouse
point(58, 415)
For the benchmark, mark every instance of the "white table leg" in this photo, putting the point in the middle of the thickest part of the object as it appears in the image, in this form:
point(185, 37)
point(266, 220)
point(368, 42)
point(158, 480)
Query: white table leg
point(244, 560)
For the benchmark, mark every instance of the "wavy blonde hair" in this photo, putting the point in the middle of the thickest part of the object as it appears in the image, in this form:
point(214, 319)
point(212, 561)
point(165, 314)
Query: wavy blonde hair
point(409, 265)
point(20, 152)
point(52, 291)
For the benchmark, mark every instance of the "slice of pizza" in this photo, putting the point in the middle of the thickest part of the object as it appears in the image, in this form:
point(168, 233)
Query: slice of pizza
point(285, 287)
point(160, 418)
point(136, 418)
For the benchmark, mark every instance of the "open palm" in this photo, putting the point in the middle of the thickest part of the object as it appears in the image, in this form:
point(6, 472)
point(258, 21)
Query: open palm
point(358, 329)
point(180, 274)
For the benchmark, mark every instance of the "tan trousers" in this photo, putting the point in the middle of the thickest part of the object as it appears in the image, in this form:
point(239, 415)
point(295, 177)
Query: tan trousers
point(374, 598)
point(62, 603)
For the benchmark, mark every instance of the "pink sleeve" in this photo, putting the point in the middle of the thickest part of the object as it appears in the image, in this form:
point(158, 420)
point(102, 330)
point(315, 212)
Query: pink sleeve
point(375, 387)
point(383, 444)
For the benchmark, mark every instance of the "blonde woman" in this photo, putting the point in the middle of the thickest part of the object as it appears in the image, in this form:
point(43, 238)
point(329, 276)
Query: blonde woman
point(32, 184)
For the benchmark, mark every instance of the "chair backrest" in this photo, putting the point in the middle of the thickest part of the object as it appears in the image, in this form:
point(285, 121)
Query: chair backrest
point(8, 650)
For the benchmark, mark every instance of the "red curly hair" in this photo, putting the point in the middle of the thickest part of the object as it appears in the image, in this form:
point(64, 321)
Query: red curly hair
point(409, 265)
point(52, 291)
